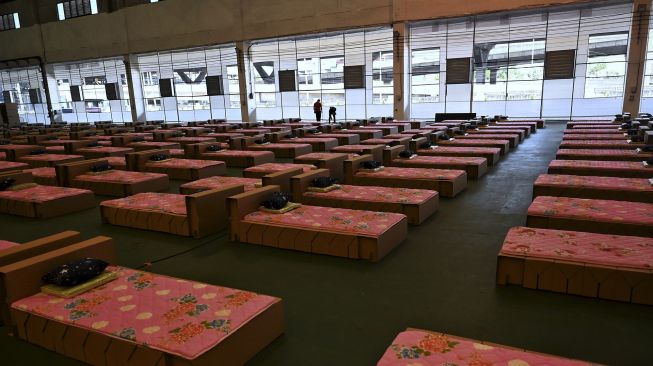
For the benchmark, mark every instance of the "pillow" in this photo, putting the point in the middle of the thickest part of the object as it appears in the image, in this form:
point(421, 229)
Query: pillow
point(6, 183)
point(323, 182)
point(74, 273)
point(425, 145)
point(101, 167)
point(38, 152)
point(277, 201)
point(444, 136)
point(406, 154)
point(213, 148)
point(371, 164)
point(159, 157)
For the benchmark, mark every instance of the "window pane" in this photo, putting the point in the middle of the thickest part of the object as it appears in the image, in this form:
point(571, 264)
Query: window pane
point(524, 90)
point(266, 100)
point(382, 78)
point(603, 87)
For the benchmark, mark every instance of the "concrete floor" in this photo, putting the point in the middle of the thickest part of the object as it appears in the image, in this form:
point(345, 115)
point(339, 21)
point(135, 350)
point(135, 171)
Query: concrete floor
point(347, 312)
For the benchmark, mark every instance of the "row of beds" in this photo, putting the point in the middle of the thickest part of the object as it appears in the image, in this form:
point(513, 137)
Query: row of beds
point(143, 318)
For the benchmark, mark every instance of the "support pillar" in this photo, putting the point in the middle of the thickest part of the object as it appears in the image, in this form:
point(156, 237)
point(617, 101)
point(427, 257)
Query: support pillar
point(134, 88)
point(636, 56)
point(400, 70)
point(247, 111)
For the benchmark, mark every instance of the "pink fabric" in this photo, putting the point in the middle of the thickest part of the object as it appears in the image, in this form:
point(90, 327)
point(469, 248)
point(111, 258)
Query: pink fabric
point(600, 165)
point(13, 147)
point(219, 182)
point(269, 168)
point(461, 149)
point(276, 146)
point(192, 140)
point(179, 317)
point(488, 136)
point(54, 142)
point(118, 162)
point(308, 140)
point(119, 176)
point(575, 131)
point(178, 153)
point(153, 144)
point(366, 223)
point(380, 141)
point(236, 153)
point(474, 142)
point(377, 194)
point(153, 202)
point(40, 194)
point(353, 148)
point(318, 156)
point(599, 249)
point(606, 183)
point(606, 144)
point(597, 136)
point(335, 135)
point(593, 210)
point(12, 165)
point(105, 149)
point(413, 173)
point(418, 347)
point(442, 160)
point(55, 149)
point(49, 157)
point(3, 156)
point(45, 172)
point(184, 163)
point(4, 244)
point(603, 152)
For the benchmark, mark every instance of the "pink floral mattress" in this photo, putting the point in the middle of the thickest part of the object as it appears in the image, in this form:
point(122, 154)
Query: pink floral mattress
point(151, 201)
point(413, 173)
point(219, 182)
point(377, 194)
point(13, 147)
point(582, 181)
point(179, 317)
point(119, 176)
point(603, 152)
point(269, 168)
point(593, 125)
point(177, 153)
point(358, 222)
point(106, 138)
point(192, 139)
point(3, 156)
point(462, 149)
point(353, 148)
point(442, 160)
point(277, 146)
point(55, 149)
point(488, 136)
point(235, 153)
point(319, 156)
point(337, 135)
point(12, 165)
point(54, 142)
point(378, 141)
point(598, 136)
point(154, 144)
point(600, 249)
point(593, 210)
point(4, 244)
point(574, 131)
point(496, 131)
point(45, 172)
point(117, 161)
point(252, 130)
point(184, 163)
point(474, 142)
point(607, 143)
point(41, 194)
point(422, 348)
point(49, 157)
point(600, 165)
point(308, 140)
point(105, 143)
point(106, 149)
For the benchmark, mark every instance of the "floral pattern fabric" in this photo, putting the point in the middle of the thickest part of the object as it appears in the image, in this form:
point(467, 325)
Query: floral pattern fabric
point(367, 223)
point(599, 165)
point(117, 162)
point(49, 157)
point(277, 146)
point(594, 210)
point(422, 348)
point(481, 142)
point(353, 148)
point(413, 173)
point(55, 149)
point(40, 194)
point(179, 317)
point(319, 156)
point(596, 136)
point(600, 249)
point(603, 152)
point(308, 140)
point(235, 153)
point(105, 150)
point(461, 149)
point(220, 182)
point(605, 144)
point(3, 156)
point(45, 172)
point(377, 194)
point(184, 163)
point(119, 176)
point(605, 183)
point(151, 201)
point(12, 165)
point(270, 168)
point(574, 131)
point(442, 160)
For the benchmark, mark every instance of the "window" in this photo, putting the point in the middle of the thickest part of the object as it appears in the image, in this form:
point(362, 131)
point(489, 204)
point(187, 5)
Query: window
point(511, 70)
point(321, 78)
point(9, 21)
point(606, 65)
point(264, 84)
point(382, 78)
point(308, 72)
point(234, 86)
point(76, 8)
point(150, 78)
point(425, 75)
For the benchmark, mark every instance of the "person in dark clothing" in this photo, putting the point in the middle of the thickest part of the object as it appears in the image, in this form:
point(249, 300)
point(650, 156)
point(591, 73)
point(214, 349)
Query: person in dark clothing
point(317, 108)
point(332, 113)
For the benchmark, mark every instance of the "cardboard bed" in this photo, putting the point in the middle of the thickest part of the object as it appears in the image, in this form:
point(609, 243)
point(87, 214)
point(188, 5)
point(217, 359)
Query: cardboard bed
point(334, 162)
point(603, 266)
point(504, 145)
point(279, 178)
point(512, 138)
point(233, 158)
point(271, 168)
point(491, 154)
point(580, 131)
point(622, 169)
point(117, 183)
point(44, 176)
point(608, 144)
point(375, 150)
point(44, 160)
point(280, 150)
point(40, 201)
point(416, 204)
point(603, 154)
point(492, 131)
point(402, 141)
point(343, 138)
point(363, 134)
point(198, 214)
point(9, 166)
point(448, 183)
point(95, 152)
point(338, 232)
point(423, 347)
point(474, 167)
point(579, 186)
point(594, 137)
point(591, 215)
point(178, 169)
point(120, 333)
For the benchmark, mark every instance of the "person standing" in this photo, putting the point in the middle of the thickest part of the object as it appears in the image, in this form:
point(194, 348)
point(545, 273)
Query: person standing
point(317, 108)
point(332, 113)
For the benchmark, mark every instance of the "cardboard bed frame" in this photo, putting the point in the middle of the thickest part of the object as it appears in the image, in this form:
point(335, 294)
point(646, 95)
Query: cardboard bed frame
point(491, 154)
point(19, 154)
point(596, 192)
point(474, 171)
point(375, 150)
point(416, 213)
point(199, 151)
point(138, 162)
point(23, 279)
point(445, 188)
point(334, 162)
point(341, 244)
point(47, 209)
point(66, 174)
point(291, 151)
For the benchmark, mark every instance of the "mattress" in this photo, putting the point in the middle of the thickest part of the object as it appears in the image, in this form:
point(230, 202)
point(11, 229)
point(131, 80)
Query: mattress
point(148, 145)
point(178, 317)
point(103, 151)
point(502, 144)
point(419, 347)
point(579, 131)
point(492, 154)
point(358, 149)
point(377, 194)
point(447, 182)
point(513, 139)
point(44, 175)
point(270, 168)
point(608, 144)
point(240, 158)
point(336, 220)
point(475, 167)
point(176, 163)
point(118, 176)
point(41, 160)
point(218, 182)
point(117, 162)
point(151, 202)
point(41, 194)
point(602, 154)
point(625, 169)
point(4, 244)
point(413, 173)
point(379, 141)
point(597, 136)
point(6, 166)
point(343, 138)
point(191, 140)
point(55, 149)
point(592, 215)
point(613, 188)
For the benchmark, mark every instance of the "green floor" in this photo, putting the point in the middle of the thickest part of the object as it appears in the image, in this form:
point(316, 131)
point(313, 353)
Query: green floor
point(345, 312)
